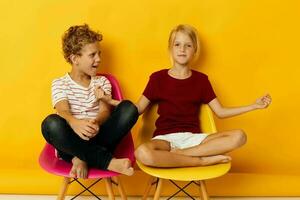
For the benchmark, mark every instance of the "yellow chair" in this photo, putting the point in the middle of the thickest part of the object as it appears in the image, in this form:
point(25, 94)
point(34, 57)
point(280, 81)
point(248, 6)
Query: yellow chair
point(196, 175)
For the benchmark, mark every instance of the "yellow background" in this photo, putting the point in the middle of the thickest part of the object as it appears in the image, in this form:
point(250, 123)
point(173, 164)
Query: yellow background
point(249, 48)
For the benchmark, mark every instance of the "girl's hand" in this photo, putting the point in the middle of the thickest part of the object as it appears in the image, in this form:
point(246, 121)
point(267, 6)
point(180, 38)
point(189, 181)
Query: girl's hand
point(85, 129)
point(100, 95)
point(263, 102)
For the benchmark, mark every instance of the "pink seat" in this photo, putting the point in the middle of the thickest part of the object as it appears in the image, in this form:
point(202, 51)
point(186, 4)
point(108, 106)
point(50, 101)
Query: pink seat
point(49, 161)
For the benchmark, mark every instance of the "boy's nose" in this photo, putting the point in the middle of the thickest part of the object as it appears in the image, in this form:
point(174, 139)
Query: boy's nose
point(97, 59)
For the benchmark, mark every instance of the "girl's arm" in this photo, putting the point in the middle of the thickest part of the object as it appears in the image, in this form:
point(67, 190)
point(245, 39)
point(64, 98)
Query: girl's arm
point(224, 112)
point(141, 105)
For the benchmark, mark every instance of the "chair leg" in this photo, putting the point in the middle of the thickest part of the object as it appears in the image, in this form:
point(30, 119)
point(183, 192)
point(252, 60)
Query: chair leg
point(148, 188)
point(63, 188)
point(203, 191)
point(158, 189)
point(109, 190)
point(120, 188)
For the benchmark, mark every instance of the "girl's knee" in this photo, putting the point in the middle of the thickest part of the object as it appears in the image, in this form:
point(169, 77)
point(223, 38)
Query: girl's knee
point(144, 154)
point(240, 137)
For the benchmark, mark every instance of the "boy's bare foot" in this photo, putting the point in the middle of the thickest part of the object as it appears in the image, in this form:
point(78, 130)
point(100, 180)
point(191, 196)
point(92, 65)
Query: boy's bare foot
point(79, 168)
point(122, 166)
point(212, 160)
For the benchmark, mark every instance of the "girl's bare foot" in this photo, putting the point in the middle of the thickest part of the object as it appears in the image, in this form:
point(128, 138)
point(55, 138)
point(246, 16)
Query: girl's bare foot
point(212, 160)
point(122, 166)
point(79, 168)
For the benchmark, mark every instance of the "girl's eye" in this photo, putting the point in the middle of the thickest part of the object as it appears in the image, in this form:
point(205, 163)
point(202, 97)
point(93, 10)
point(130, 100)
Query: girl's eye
point(176, 44)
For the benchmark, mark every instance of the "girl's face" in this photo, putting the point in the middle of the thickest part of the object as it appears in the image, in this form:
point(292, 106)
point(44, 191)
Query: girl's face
point(183, 49)
point(89, 59)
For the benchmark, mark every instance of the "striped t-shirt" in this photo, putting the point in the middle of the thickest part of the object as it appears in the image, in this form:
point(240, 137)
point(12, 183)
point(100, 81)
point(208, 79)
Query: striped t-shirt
point(82, 100)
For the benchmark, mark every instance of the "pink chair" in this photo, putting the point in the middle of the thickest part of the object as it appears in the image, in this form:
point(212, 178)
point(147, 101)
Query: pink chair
point(52, 164)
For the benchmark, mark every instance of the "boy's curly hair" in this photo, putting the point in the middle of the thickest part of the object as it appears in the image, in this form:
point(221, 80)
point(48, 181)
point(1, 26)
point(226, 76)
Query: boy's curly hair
point(75, 38)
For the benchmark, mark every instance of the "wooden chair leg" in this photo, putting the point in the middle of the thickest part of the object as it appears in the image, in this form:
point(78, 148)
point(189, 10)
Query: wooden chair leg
point(63, 188)
point(158, 189)
point(203, 191)
point(148, 188)
point(109, 190)
point(120, 188)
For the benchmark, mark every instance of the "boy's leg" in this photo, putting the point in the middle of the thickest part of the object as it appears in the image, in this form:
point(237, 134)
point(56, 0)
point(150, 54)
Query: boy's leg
point(58, 132)
point(216, 144)
point(157, 153)
point(117, 126)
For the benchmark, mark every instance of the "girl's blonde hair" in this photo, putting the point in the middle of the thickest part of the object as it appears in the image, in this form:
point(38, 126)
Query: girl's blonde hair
point(192, 33)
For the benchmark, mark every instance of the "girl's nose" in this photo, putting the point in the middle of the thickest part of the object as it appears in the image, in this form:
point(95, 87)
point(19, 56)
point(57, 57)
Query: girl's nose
point(182, 48)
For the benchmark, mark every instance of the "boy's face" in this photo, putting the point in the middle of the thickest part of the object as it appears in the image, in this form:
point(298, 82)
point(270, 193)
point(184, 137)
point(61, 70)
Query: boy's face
point(183, 49)
point(89, 59)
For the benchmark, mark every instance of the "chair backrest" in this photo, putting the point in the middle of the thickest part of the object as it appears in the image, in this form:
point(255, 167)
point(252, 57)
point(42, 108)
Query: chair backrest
point(149, 117)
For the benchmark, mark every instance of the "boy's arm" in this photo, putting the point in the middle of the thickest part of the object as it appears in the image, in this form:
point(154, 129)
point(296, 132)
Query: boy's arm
point(83, 128)
point(104, 112)
point(224, 112)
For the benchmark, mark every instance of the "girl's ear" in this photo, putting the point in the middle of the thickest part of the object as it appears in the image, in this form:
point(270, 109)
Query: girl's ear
point(73, 59)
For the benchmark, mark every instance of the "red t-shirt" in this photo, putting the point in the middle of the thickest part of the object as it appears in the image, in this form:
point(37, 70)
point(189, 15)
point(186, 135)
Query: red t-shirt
point(179, 100)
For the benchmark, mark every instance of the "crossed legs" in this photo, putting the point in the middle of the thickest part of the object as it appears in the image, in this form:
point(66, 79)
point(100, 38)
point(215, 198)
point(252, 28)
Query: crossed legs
point(211, 151)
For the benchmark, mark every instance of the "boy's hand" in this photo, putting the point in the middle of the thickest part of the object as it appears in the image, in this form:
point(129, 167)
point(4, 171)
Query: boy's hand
point(263, 102)
point(84, 128)
point(96, 124)
point(100, 95)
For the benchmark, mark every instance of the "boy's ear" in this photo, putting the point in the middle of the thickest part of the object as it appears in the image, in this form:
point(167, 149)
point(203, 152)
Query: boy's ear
point(73, 58)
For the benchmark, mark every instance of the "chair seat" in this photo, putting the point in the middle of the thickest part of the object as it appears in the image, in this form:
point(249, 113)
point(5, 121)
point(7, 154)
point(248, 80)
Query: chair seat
point(187, 173)
point(54, 165)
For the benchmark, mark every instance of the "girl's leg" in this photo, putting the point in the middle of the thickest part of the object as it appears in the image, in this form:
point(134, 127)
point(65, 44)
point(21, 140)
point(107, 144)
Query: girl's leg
point(215, 144)
point(157, 153)
point(58, 132)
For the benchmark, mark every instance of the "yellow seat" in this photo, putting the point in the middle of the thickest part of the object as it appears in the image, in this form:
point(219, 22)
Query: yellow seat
point(195, 175)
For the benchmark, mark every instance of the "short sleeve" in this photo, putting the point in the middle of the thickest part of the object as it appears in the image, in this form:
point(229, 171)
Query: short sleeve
point(208, 92)
point(150, 90)
point(57, 92)
point(105, 85)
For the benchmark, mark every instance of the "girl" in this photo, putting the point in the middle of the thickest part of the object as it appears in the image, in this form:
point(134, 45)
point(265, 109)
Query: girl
point(84, 131)
point(179, 92)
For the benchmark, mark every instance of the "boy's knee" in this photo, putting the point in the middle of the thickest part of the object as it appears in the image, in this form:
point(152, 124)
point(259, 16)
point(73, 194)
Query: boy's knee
point(128, 110)
point(128, 106)
point(52, 124)
point(144, 155)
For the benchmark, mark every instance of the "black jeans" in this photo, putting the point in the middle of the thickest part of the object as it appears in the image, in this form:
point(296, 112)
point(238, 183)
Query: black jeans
point(98, 151)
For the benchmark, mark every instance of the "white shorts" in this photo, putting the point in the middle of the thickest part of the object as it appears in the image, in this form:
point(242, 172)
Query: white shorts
point(182, 140)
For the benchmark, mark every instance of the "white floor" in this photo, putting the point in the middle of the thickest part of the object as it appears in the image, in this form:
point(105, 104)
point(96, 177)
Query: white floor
point(45, 197)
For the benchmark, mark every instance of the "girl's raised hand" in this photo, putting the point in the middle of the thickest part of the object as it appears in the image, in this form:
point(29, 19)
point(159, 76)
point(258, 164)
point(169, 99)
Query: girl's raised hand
point(263, 102)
